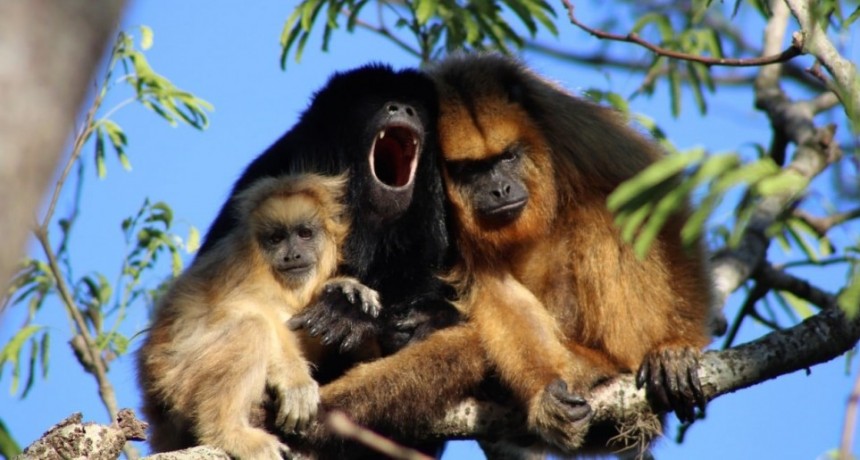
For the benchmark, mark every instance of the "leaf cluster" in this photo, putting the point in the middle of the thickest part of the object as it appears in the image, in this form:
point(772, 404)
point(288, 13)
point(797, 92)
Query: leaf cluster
point(425, 28)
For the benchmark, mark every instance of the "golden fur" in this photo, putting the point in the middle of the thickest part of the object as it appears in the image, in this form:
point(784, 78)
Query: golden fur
point(556, 294)
point(219, 342)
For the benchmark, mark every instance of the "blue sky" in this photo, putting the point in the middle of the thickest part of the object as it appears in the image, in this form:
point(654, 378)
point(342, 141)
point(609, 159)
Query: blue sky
point(227, 53)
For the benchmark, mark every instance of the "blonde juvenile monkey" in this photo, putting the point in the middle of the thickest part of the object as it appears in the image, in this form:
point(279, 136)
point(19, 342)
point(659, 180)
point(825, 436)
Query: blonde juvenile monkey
point(219, 341)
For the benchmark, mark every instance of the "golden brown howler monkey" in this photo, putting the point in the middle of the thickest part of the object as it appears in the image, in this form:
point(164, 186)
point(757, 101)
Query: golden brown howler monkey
point(557, 301)
point(219, 345)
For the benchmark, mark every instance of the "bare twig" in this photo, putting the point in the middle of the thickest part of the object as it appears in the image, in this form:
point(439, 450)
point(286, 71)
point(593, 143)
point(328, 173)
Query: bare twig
point(850, 422)
point(789, 53)
point(822, 225)
point(780, 280)
point(97, 365)
point(342, 425)
point(757, 293)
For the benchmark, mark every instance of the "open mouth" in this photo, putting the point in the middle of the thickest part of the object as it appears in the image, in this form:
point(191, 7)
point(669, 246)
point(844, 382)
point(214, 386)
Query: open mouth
point(394, 155)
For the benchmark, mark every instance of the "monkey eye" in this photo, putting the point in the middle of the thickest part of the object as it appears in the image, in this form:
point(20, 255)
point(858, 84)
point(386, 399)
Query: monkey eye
point(509, 155)
point(305, 233)
point(275, 238)
point(461, 169)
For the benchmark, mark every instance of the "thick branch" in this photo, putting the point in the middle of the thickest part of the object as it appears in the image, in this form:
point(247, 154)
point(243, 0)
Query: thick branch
point(72, 438)
point(818, 339)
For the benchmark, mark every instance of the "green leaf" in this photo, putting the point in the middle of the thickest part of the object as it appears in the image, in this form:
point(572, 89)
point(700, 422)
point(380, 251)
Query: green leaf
point(424, 10)
point(524, 15)
point(145, 37)
point(668, 206)
point(100, 155)
point(853, 18)
point(309, 10)
point(696, 86)
point(787, 182)
point(176, 263)
point(849, 298)
point(800, 306)
point(31, 368)
point(795, 232)
point(11, 352)
point(119, 343)
point(654, 174)
point(46, 353)
point(8, 447)
point(161, 212)
point(193, 243)
point(675, 88)
point(748, 174)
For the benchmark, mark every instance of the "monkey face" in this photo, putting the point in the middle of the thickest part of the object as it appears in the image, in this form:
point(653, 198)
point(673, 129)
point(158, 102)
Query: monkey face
point(292, 251)
point(494, 187)
point(498, 171)
point(293, 239)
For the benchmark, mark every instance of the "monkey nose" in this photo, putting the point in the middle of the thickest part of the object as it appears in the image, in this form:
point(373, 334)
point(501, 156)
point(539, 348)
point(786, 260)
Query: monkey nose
point(395, 107)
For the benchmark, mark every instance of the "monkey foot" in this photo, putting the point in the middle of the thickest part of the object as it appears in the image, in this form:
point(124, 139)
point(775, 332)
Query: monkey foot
point(297, 406)
point(560, 417)
point(671, 380)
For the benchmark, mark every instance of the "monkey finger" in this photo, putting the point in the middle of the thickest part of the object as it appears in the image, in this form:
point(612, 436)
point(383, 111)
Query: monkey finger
point(334, 334)
point(349, 293)
point(349, 343)
point(656, 386)
point(696, 384)
point(642, 374)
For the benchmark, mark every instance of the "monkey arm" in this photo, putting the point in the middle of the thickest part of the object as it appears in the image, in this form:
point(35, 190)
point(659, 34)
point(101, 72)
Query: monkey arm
point(401, 395)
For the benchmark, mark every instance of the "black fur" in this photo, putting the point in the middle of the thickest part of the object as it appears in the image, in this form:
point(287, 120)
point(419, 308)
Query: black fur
point(397, 253)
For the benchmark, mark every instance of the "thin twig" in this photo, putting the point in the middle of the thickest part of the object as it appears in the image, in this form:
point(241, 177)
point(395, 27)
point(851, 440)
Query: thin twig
point(789, 53)
point(757, 293)
point(342, 425)
point(783, 281)
point(94, 364)
point(822, 225)
point(850, 422)
point(68, 301)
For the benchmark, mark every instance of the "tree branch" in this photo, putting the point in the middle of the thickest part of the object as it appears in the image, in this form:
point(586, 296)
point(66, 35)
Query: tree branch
point(816, 42)
point(822, 225)
point(816, 340)
point(786, 55)
point(815, 151)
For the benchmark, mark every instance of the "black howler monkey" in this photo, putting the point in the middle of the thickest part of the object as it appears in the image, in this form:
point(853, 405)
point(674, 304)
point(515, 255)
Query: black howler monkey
point(380, 126)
